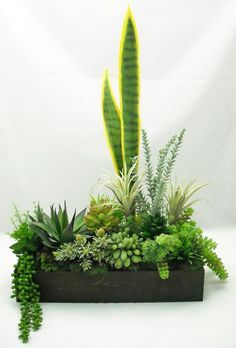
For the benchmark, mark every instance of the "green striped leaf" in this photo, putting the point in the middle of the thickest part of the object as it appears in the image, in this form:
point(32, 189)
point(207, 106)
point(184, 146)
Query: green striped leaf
point(129, 90)
point(112, 123)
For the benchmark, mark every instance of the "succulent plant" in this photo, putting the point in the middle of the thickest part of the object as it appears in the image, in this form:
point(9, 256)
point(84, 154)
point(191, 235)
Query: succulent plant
point(126, 250)
point(152, 225)
point(102, 215)
point(56, 229)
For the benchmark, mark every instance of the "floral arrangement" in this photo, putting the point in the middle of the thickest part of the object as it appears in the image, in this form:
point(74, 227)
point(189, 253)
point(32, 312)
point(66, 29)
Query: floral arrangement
point(146, 223)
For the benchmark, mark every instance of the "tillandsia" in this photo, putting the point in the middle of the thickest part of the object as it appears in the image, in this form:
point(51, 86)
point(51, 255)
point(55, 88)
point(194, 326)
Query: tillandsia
point(179, 199)
point(125, 187)
point(56, 229)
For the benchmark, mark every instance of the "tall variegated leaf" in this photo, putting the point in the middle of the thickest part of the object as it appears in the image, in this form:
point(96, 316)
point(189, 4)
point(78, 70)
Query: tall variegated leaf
point(129, 90)
point(112, 124)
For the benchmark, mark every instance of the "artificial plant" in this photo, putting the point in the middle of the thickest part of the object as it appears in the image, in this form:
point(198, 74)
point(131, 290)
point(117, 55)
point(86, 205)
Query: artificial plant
point(122, 123)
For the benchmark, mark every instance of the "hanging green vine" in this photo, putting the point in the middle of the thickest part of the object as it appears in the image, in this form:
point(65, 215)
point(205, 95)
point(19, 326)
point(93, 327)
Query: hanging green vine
point(27, 293)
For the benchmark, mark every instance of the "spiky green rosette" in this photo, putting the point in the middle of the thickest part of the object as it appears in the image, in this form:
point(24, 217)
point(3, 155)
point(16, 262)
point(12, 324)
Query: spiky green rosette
point(152, 225)
point(101, 214)
point(126, 250)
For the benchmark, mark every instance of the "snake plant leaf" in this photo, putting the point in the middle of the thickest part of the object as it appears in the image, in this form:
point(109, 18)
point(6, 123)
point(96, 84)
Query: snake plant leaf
point(68, 233)
point(129, 82)
point(112, 123)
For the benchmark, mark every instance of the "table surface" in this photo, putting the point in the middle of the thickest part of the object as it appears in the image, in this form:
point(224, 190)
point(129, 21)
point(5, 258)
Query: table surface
point(207, 324)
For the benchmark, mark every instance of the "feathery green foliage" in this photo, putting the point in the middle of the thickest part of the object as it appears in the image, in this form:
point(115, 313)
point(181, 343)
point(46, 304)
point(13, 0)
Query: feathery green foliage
point(125, 188)
point(149, 169)
point(156, 185)
point(26, 291)
point(56, 229)
point(26, 239)
point(167, 158)
point(156, 252)
point(178, 200)
point(195, 249)
point(185, 245)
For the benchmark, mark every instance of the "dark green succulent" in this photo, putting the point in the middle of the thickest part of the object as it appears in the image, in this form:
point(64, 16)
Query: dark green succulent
point(152, 225)
point(56, 229)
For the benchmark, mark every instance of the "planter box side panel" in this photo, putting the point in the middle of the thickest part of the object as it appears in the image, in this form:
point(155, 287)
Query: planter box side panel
point(141, 286)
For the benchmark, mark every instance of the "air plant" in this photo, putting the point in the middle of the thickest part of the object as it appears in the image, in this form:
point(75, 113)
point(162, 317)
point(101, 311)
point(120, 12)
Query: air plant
point(178, 199)
point(125, 187)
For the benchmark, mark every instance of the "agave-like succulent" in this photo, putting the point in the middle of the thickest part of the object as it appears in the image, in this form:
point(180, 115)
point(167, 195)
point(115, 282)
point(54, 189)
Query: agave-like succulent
point(56, 229)
point(179, 199)
point(125, 187)
point(102, 215)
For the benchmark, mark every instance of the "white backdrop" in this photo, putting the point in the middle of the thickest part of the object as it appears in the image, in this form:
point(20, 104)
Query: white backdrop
point(52, 57)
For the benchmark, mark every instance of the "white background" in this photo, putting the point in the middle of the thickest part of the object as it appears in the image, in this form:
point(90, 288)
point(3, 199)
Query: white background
point(52, 58)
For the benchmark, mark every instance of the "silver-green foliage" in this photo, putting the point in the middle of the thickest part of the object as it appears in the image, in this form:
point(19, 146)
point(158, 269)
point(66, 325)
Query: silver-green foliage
point(157, 183)
point(87, 253)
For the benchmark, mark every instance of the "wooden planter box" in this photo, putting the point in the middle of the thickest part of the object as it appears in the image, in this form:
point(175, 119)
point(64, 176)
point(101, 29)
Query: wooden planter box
point(121, 286)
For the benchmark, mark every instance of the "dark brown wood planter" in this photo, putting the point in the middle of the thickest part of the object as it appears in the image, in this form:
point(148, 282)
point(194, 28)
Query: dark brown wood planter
point(118, 286)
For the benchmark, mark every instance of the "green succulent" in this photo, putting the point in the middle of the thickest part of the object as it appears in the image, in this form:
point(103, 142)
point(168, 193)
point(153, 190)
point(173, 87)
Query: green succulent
point(56, 229)
point(152, 225)
point(101, 215)
point(126, 250)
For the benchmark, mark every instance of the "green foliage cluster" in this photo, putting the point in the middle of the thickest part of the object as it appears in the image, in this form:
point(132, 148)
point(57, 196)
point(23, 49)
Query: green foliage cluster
point(156, 251)
point(25, 238)
point(26, 292)
point(184, 244)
